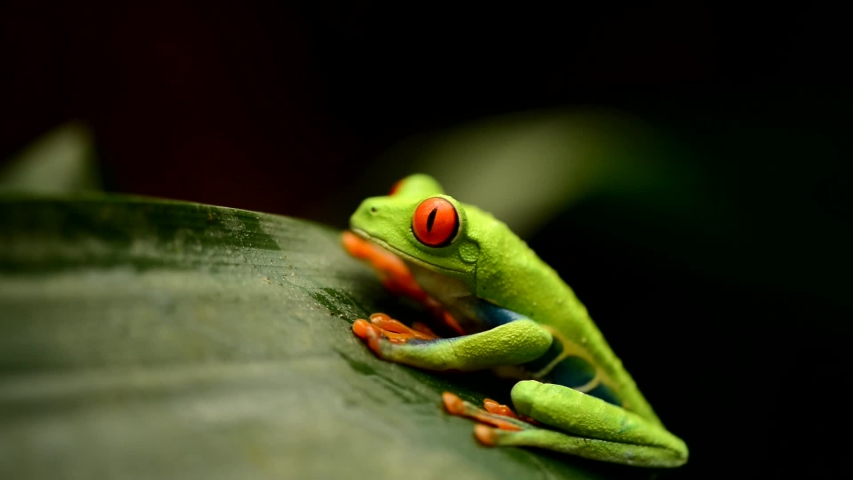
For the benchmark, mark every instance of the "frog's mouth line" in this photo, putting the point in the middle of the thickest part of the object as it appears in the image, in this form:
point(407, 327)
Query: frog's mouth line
point(405, 256)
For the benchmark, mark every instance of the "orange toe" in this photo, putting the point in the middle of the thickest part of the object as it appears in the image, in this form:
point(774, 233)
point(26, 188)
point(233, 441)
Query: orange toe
point(453, 403)
point(385, 322)
point(492, 406)
point(369, 333)
point(362, 328)
point(485, 434)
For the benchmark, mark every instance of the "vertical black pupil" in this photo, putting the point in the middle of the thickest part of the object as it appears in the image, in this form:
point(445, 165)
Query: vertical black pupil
point(431, 219)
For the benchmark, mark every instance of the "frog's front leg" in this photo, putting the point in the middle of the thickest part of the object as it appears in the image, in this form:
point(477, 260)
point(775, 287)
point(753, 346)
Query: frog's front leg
point(396, 277)
point(580, 424)
point(513, 343)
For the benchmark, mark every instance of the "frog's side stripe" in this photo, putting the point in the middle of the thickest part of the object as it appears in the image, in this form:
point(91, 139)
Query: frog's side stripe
point(575, 372)
point(491, 315)
point(604, 392)
point(419, 341)
point(560, 365)
point(565, 363)
point(554, 351)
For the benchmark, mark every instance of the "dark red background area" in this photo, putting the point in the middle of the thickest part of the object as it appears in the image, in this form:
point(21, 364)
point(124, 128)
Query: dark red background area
point(267, 107)
point(220, 105)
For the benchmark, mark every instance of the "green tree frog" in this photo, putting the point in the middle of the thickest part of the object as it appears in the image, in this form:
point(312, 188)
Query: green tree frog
point(510, 313)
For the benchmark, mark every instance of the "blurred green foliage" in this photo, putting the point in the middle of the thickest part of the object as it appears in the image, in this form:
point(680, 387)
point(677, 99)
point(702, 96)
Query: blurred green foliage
point(60, 161)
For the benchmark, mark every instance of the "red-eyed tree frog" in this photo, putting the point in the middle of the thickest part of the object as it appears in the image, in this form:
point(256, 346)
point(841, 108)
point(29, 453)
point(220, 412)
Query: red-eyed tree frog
point(513, 314)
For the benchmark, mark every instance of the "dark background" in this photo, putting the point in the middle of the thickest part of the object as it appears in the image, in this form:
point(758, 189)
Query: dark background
point(274, 108)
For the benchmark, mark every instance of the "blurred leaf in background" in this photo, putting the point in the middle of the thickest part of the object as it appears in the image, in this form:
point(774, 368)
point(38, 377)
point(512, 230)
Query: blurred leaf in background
point(60, 161)
point(528, 167)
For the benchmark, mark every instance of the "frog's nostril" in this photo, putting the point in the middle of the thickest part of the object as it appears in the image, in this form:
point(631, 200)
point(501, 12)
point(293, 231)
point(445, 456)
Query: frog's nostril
point(373, 210)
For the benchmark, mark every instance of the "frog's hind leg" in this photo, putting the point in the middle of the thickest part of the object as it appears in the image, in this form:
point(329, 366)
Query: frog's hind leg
point(500, 427)
point(586, 426)
point(592, 448)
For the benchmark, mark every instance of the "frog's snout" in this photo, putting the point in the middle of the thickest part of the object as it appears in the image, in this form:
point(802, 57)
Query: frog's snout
point(365, 214)
point(369, 207)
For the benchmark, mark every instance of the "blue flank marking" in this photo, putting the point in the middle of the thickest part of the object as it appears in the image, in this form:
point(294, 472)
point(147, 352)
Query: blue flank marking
point(572, 372)
point(604, 393)
point(493, 316)
point(418, 341)
point(553, 352)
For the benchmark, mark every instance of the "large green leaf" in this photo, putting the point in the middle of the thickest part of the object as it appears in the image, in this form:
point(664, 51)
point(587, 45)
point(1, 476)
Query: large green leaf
point(159, 339)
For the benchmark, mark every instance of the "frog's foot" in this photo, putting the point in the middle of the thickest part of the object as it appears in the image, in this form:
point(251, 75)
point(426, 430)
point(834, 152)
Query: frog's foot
point(382, 327)
point(495, 414)
point(396, 276)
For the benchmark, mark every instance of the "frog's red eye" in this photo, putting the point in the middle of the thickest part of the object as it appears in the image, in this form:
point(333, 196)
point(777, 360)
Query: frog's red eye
point(435, 222)
point(395, 187)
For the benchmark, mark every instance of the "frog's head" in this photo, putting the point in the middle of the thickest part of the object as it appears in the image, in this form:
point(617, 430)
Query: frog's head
point(420, 224)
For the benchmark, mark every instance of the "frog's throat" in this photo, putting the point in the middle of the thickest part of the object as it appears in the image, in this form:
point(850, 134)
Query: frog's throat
point(405, 256)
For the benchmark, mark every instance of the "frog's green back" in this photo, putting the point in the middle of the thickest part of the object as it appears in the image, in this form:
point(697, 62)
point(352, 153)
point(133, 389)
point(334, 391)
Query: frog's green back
point(512, 276)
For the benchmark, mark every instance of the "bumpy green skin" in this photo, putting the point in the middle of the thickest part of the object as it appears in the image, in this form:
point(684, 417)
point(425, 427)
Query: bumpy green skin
point(487, 261)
